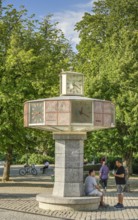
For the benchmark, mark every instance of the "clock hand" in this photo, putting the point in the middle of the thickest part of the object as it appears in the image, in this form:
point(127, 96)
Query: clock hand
point(37, 113)
point(76, 85)
point(82, 113)
point(85, 114)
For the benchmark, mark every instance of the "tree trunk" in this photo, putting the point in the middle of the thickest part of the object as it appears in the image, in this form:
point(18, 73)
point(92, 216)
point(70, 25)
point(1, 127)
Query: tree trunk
point(6, 171)
point(128, 161)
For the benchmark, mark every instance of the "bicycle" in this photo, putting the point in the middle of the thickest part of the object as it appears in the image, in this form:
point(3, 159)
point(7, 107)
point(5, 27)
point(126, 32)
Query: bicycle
point(28, 169)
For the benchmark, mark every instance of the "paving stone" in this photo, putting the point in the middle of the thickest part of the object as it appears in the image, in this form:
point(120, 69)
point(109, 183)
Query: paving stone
point(18, 202)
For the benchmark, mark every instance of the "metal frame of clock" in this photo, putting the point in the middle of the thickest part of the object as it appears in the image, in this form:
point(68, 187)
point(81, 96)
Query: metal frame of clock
point(69, 114)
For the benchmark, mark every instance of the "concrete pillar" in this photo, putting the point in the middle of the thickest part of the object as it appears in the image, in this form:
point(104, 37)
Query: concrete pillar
point(69, 150)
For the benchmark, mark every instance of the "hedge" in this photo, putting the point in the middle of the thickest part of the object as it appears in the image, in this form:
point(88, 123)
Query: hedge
point(88, 167)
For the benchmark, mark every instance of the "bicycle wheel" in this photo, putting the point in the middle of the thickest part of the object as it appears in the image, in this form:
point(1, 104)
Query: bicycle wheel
point(33, 171)
point(22, 172)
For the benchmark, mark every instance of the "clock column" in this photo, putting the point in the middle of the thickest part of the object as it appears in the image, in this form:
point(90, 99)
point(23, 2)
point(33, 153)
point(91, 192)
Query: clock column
point(69, 164)
point(67, 116)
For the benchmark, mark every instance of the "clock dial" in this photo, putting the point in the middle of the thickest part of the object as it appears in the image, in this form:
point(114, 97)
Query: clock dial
point(63, 106)
point(51, 112)
point(81, 112)
point(74, 84)
point(112, 114)
point(107, 120)
point(98, 119)
point(51, 118)
point(98, 107)
point(64, 119)
point(63, 112)
point(51, 106)
point(36, 112)
point(26, 114)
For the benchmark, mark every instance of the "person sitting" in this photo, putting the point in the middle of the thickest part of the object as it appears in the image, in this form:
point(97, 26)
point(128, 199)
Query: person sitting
point(91, 187)
point(46, 165)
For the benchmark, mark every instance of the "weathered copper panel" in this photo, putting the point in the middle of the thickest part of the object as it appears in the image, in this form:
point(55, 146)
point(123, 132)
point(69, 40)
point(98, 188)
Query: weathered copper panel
point(98, 107)
point(113, 114)
point(51, 106)
point(98, 119)
point(64, 106)
point(26, 113)
point(36, 112)
point(51, 118)
point(63, 118)
point(107, 120)
point(107, 107)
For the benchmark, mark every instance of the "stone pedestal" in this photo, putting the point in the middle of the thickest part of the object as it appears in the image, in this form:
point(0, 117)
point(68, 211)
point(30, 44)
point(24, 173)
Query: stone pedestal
point(69, 164)
point(68, 203)
point(68, 192)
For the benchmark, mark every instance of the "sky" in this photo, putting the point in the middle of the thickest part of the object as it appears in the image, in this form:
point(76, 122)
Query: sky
point(66, 12)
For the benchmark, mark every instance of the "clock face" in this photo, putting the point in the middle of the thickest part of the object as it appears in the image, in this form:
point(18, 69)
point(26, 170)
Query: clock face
point(64, 112)
point(36, 112)
point(74, 84)
point(26, 114)
point(63, 106)
point(51, 106)
point(82, 112)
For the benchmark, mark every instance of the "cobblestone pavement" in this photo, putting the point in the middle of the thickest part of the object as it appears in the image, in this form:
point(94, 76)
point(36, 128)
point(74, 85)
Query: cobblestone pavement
point(17, 202)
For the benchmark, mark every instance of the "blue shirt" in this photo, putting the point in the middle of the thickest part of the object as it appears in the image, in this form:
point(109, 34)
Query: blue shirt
point(104, 172)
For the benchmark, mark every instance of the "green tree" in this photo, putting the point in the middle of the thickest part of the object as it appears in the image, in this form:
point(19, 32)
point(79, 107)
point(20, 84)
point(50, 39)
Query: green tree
point(32, 55)
point(107, 55)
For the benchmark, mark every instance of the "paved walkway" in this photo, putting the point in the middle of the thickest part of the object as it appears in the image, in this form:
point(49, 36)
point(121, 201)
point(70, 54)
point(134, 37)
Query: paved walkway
point(17, 202)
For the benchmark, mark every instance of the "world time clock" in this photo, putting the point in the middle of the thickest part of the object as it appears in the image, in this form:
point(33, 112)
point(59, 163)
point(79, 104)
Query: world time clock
point(36, 110)
point(71, 83)
point(82, 111)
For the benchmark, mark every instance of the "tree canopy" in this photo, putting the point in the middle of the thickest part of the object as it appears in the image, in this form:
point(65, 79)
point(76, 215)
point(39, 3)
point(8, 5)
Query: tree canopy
point(32, 54)
point(107, 55)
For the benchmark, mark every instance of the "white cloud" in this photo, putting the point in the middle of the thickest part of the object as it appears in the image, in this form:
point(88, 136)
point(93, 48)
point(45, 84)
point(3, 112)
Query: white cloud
point(86, 5)
point(68, 19)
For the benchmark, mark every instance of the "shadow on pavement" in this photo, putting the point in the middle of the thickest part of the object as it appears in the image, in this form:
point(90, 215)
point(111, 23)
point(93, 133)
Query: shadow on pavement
point(112, 208)
point(17, 195)
point(9, 184)
point(33, 213)
point(32, 180)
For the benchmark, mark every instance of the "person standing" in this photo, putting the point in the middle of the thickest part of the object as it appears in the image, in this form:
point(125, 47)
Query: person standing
point(46, 165)
point(120, 183)
point(103, 175)
point(92, 188)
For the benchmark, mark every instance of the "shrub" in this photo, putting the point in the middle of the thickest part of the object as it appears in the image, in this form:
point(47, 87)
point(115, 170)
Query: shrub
point(22, 160)
point(96, 167)
point(36, 159)
point(40, 159)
